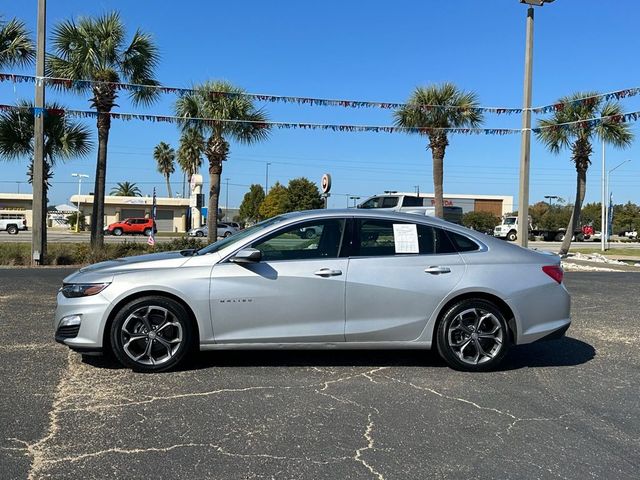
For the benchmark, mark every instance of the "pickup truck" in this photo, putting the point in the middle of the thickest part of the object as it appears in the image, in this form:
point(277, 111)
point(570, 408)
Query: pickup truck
point(12, 223)
point(411, 204)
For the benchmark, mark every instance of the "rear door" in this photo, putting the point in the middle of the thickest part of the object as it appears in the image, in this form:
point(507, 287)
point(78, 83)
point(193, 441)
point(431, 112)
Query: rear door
point(399, 272)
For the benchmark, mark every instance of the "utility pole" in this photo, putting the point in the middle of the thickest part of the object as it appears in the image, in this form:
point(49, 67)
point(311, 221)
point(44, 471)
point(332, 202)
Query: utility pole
point(226, 203)
point(39, 202)
point(525, 150)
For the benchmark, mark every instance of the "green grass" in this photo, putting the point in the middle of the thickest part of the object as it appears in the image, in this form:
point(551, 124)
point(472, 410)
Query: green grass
point(81, 253)
point(613, 252)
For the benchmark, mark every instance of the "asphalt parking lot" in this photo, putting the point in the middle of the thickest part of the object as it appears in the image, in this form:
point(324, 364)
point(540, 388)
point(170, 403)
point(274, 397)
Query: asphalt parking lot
point(563, 409)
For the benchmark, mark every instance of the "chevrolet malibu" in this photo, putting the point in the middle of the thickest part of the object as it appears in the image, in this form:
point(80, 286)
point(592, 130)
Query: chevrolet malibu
point(366, 279)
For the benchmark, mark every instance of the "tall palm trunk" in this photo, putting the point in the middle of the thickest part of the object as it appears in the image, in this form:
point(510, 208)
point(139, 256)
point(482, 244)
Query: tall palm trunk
point(168, 186)
point(97, 212)
point(581, 188)
point(217, 150)
point(438, 145)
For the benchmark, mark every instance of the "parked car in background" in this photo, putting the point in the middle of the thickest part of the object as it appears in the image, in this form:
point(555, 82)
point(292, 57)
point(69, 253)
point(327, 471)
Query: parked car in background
point(12, 223)
point(142, 226)
point(224, 230)
point(368, 279)
point(235, 225)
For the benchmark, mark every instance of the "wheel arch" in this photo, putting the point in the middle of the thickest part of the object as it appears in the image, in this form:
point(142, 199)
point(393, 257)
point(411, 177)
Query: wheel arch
point(504, 308)
point(106, 334)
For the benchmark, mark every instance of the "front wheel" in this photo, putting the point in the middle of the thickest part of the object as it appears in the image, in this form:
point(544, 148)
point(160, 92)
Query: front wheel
point(117, 232)
point(472, 336)
point(199, 233)
point(512, 236)
point(227, 234)
point(151, 334)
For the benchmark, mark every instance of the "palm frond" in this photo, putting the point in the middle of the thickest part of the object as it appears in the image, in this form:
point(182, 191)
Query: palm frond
point(16, 46)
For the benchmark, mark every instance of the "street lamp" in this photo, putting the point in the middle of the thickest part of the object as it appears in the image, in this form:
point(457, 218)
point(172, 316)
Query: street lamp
point(549, 198)
point(80, 176)
point(525, 150)
point(226, 203)
point(605, 228)
point(354, 198)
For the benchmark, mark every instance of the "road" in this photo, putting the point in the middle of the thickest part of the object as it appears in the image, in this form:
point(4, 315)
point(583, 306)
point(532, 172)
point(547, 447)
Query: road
point(567, 409)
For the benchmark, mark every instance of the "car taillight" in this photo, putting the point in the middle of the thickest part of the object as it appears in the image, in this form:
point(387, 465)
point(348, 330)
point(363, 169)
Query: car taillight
point(554, 271)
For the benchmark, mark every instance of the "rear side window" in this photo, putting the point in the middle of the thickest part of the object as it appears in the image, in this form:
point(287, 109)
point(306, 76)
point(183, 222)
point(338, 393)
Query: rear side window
point(462, 243)
point(375, 238)
point(412, 202)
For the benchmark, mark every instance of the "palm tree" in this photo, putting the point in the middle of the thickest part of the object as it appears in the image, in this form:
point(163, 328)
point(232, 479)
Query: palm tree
point(16, 47)
point(233, 116)
point(435, 108)
point(190, 154)
point(95, 49)
point(126, 189)
point(569, 127)
point(165, 155)
point(63, 140)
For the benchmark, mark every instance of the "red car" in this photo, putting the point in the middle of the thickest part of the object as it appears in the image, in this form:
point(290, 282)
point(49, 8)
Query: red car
point(143, 226)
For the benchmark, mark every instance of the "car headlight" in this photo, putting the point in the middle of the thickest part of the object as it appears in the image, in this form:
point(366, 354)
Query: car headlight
point(75, 290)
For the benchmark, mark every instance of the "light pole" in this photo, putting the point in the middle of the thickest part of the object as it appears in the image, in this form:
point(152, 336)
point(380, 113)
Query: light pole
point(605, 230)
point(266, 178)
point(80, 176)
point(226, 203)
point(354, 198)
point(525, 150)
point(549, 198)
point(603, 211)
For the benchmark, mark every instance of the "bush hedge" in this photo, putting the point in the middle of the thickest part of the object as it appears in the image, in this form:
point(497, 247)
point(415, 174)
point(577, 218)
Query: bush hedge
point(81, 253)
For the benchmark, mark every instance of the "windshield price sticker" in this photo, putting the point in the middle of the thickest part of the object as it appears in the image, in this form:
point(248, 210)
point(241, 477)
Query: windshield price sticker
point(406, 238)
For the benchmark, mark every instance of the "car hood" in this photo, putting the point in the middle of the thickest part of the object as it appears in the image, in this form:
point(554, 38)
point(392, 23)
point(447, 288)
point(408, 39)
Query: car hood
point(138, 262)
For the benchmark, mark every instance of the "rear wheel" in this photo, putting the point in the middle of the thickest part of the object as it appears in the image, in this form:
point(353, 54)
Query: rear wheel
point(147, 232)
point(151, 334)
point(12, 230)
point(472, 336)
point(117, 231)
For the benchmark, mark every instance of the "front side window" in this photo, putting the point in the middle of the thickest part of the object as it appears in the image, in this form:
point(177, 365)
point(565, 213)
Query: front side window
point(303, 241)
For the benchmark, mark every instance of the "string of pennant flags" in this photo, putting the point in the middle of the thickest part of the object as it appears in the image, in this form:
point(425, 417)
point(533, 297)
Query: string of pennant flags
point(72, 113)
point(132, 87)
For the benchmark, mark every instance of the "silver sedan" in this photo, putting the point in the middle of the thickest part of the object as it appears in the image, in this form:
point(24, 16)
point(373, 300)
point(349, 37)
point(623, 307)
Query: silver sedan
point(364, 279)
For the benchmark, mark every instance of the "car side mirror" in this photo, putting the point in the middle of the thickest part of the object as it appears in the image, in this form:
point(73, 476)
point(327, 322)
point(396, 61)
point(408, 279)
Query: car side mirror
point(247, 255)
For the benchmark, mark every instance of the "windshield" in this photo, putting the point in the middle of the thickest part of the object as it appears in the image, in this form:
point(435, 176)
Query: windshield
point(231, 239)
point(510, 221)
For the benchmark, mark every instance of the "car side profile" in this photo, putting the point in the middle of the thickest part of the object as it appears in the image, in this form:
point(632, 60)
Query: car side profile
point(224, 230)
point(141, 226)
point(365, 279)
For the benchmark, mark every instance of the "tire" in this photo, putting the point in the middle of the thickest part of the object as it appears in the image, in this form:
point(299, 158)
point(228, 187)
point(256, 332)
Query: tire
point(227, 234)
point(462, 347)
point(199, 233)
point(12, 230)
point(559, 237)
point(117, 232)
point(147, 232)
point(512, 236)
point(580, 237)
point(150, 319)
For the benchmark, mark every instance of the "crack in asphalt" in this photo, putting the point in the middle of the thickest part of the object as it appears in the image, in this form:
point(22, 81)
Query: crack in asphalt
point(68, 387)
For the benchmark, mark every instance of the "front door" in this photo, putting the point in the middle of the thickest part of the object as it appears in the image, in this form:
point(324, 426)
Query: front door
point(294, 294)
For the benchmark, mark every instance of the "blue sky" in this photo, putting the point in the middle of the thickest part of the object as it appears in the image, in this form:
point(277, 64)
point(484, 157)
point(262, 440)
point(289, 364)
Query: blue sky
point(373, 50)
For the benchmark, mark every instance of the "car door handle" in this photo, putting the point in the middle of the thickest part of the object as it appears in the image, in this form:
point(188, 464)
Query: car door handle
point(327, 272)
point(434, 270)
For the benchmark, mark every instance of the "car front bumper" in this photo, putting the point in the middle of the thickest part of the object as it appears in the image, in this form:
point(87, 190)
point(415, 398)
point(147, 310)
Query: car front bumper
point(92, 312)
